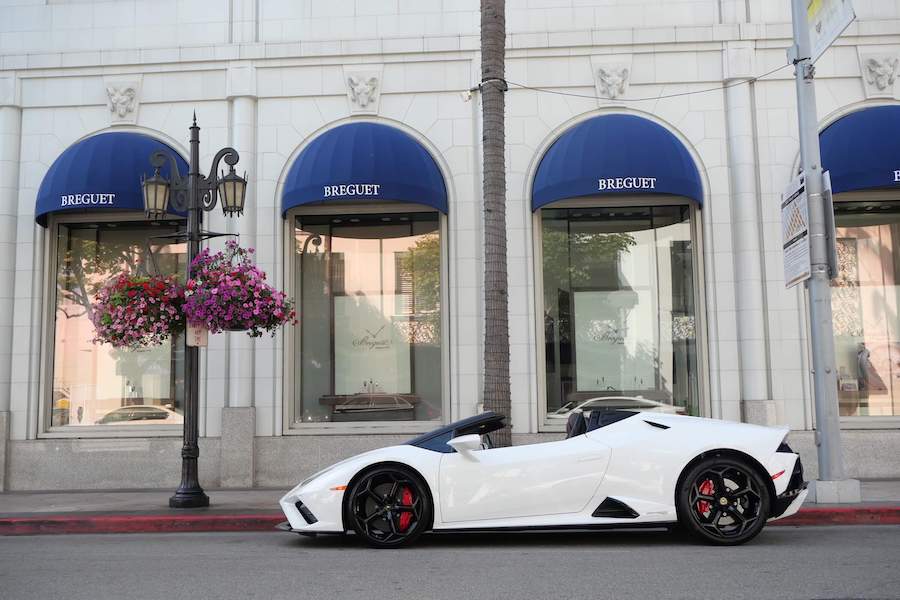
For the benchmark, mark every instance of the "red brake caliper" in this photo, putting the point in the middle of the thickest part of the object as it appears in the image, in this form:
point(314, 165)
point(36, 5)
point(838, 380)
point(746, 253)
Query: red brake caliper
point(406, 499)
point(706, 488)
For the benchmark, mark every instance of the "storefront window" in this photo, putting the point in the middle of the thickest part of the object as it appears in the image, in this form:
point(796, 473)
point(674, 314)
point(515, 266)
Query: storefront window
point(619, 310)
point(96, 384)
point(369, 294)
point(865, 299)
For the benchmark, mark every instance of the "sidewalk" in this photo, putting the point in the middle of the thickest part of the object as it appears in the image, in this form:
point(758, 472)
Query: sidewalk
point(147, 511)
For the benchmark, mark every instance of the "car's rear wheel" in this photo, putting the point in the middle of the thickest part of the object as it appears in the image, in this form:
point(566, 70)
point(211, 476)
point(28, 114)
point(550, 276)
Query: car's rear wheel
point(723, 500)
point(389, 507)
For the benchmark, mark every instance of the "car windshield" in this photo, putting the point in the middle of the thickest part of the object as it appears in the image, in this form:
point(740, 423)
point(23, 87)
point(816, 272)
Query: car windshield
point(437, 439)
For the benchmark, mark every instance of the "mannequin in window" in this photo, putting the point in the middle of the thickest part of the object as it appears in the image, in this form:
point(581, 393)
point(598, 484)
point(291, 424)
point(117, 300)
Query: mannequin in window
point(869, 380)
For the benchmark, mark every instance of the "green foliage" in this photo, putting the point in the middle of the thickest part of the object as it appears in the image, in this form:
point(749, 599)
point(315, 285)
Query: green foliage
point(422, 264)
point(571, 260)
point(86, 262)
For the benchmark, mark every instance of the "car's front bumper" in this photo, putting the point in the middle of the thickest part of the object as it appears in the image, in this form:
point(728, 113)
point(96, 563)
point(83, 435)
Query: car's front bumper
point(313, 512)
point(286, 526)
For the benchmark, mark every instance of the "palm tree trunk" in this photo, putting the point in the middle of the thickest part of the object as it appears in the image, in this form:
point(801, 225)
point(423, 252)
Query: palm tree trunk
point(496, 320)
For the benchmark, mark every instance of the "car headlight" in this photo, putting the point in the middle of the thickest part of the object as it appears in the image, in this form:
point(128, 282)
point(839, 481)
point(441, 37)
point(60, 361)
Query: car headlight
point(324, 471)
point(316, 475)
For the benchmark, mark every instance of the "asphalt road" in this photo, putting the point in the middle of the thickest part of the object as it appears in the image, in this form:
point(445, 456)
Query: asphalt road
point(784, 562)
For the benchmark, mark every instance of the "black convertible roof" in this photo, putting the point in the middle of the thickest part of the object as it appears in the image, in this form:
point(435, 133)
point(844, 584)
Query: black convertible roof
point(437, 439)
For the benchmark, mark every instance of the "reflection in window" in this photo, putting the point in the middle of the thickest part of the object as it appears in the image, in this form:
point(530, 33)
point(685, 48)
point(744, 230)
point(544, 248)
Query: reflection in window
point(619, 317)
point(97, 384)
point(369, 289)
point(864, 299)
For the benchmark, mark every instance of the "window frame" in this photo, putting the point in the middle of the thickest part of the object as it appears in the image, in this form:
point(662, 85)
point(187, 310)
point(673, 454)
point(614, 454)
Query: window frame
point(291, 375)
point(48, 337)
point(544, 424)
point(858, 422)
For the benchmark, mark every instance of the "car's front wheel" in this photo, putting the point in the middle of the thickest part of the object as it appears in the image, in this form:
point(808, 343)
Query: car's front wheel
point(723, 500)
point(389, 507)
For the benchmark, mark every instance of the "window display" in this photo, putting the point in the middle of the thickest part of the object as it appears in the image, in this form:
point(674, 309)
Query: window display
point(619, 316)
point(865, 298)
point(368, 291)
point(96, 384)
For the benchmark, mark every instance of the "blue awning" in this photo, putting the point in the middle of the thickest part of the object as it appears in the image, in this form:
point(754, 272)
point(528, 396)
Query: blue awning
point(862, 149)
point(615, 154)
point(361, 162)
point(102, 172)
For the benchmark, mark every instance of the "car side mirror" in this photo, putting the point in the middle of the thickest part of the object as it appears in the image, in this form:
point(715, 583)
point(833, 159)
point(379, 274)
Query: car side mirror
point(466, 443)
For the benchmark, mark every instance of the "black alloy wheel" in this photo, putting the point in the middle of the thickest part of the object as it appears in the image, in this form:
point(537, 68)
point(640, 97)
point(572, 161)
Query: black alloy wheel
point(723, 501)
point(389, 507)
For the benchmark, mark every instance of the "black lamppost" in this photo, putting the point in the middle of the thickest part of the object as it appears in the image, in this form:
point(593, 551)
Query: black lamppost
point(193, 194)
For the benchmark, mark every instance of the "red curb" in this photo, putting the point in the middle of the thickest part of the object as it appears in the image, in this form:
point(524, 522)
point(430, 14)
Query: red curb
point(138, 523)
point(870, 515)
point(844, 515)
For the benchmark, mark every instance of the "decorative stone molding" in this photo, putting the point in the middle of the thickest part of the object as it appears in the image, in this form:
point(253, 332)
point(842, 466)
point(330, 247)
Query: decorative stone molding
point(241, 81)
point(612, 75)
point(879, 73)
point(364, 88)
point(9, 92)
point(739, 60)
point(122, 99)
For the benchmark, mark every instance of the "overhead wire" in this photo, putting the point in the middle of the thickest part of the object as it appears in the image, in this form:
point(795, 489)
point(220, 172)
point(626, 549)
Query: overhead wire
point(648, 98)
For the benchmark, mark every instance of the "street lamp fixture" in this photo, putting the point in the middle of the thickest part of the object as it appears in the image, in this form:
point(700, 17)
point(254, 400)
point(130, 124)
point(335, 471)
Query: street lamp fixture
point(232, 189)
point(194, 195)
point(156, 195)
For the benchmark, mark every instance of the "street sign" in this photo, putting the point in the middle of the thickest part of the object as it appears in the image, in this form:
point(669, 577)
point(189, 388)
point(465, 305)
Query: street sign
point(795, 232)
point(830, 233)
point(826, 19)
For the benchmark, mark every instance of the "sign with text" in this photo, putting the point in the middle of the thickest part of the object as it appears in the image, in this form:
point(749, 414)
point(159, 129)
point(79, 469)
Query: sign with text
point(830, 232)
point(795, 232)
point(351, 189)
point(826, 19)
point(615, 340)
point(371, 354)
point(69, 200)
point(197, 336)
point(626, 183)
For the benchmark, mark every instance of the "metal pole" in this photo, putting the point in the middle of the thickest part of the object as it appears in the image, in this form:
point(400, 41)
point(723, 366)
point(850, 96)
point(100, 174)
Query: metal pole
point(828, 432)
point(189, 494)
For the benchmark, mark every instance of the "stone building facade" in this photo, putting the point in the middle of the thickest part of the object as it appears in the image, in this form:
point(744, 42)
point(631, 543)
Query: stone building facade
point(665, 282)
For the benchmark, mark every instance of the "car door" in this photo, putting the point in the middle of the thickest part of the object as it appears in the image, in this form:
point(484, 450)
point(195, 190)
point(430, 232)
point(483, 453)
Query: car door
point(521, 481)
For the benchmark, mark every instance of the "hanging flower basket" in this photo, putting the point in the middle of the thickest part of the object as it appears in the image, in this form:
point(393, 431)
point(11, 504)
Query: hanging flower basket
point(136, 312)
point(227, 292)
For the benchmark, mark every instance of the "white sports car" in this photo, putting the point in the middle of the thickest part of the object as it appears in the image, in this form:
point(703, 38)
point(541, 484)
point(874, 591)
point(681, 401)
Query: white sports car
point(720, 481)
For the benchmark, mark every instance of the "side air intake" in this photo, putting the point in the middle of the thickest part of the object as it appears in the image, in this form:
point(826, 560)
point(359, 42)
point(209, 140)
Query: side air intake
point(614, 509)
point(306, 513)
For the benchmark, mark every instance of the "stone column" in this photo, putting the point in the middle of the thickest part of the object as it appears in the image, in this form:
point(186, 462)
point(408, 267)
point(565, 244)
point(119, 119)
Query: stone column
point(244, 21)
point(756, 394)
point(10, 142)
point(239, 418)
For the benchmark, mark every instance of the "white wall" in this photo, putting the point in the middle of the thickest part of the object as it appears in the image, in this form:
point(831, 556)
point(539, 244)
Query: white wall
point(291, 57)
